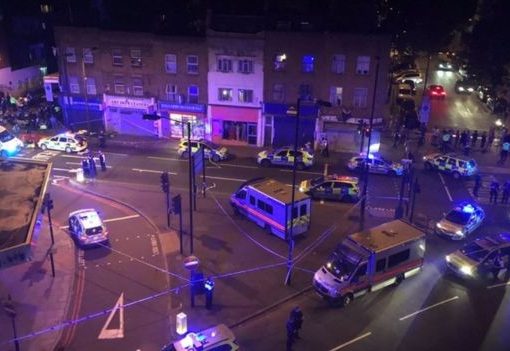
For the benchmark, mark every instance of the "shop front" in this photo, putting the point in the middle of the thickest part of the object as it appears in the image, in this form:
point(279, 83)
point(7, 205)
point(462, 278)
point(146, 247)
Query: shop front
point(124, 115)
point(83, 114)
point(232, 125)
point(177, 117)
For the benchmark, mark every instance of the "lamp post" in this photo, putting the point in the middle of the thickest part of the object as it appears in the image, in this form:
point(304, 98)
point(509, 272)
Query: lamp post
point(365, 171)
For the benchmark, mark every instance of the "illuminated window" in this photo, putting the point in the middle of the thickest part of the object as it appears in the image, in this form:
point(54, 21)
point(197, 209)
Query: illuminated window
point(137, 86)
point(335, 96)
point(278, 92)
point(118, 85)
point(171, 92)
point(305, 91)
point(192, 64)
point(280, 61)
point(360, 97)
point(307, 63)
point(363, 65)
point(245, 95)
point(136, 57)
point(338, 64)
point(224, 65)
point(45, 8)
point(91, 86)
point(117, 57)
point(193, 94)
point(245, 66)
point(74, 85)
point(224, 94)
point(171, 63)
point(70, 55)
point(88, 57)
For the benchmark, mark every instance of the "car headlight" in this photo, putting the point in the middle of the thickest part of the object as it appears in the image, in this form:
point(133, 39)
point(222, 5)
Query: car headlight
point(461, 88)
point(438, 225)
point(467, 270)
point(459, 233)
point(448, 258)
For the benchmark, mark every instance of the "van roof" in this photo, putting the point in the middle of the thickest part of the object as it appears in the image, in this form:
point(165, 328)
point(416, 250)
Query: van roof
point(278, 191)
point(387, 235)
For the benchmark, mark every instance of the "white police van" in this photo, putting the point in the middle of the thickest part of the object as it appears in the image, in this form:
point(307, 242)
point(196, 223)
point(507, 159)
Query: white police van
point(267, 202)
point(9, 144)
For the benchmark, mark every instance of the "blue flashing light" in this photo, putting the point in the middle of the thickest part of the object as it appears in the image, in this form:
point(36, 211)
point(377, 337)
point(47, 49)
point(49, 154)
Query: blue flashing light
point(209, 284)
point(468, 208)
point(201, 337)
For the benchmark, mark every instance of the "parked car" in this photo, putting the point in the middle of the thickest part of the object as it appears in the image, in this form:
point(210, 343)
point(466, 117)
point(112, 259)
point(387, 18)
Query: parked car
point(484, 92)
point(457, 165)
point(87, 228)
point(332, 187)
point(445, 66)
point(436, 91)
point(465, 85)
point(284, 156)
point(376, 164)
point(68, 142)
point(460, 221)
point(405, 91)
point(414, 76)
point(212, 151)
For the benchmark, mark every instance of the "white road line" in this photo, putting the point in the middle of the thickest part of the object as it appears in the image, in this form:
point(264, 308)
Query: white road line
point(428, 308)
point(304, 172)
point(224, 178)
point(498, 285)
point(62, 169)
point(237, 166)
point(150, 171)
point(22, 158)
point(79, 164)
point(445, 187)
point(110, 220)
point(351, 341)
point(167, 158)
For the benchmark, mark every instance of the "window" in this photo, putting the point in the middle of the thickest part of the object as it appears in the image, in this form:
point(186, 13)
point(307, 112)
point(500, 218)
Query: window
point(363, 65)
point(192, 64)
point(398, 258)
point(280, 61)
point(91, 86)
point(241, 194)
point(380, 265)
point(224, 94)
point(88, 56)
point(70, 55)
point(269, 209)
point(137, 86)
point(362, 270)
point(261, 204)
point(171, 63)
point(118, 85)
point(74, 86)
point(117, 57)
point(245, 96)
point(305, 91)
point(252, 200)
point(245, 66)
point(307, 63)
point(171, 92)
point(193, 94)
point(338, 64)
point(278, 92)
point(335, 96)
point(136, 57)
point(360, 97)
point(224, 65)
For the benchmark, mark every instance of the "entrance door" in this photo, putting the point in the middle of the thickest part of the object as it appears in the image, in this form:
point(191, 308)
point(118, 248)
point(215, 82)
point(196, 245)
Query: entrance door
point(252, 133)
point(268, 131)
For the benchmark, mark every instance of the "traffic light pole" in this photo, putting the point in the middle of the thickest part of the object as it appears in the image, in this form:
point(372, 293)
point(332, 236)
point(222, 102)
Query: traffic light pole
point(191, 184)
point(48, 205)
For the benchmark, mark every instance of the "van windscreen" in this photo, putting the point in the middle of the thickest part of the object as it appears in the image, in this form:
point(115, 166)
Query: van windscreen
point(5, 136)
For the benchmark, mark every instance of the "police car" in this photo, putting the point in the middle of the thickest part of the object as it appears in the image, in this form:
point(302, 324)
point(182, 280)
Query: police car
point(476, 259)
point(218, 338)
point(87, 228)
point(461, 221)
point(68, 142)
point(457, 165)
point(212, 151)
point(284, 156)
point(332, 187)
point(376, 164)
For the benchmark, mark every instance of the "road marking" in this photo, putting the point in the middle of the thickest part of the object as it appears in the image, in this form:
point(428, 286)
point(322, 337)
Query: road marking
point(237, 166)
point(116, 219)
point(167, 158)
point(218, 164)
point(304, 172)
point(114, 333)
point(232, 179)
point(79, 164)
point(351, 341)
point(445, 187)
point(428, 308)
point(63, 169)
point(150, 171)
point(498, 285)
point(154, 245)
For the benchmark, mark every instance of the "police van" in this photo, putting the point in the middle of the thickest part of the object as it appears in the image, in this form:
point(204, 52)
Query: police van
point(457, 165)
point(267, 202)
point(9, 144)
point(371, 260)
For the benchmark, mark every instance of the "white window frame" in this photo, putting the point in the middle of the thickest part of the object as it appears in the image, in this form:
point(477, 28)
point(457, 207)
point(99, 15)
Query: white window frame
point(245, 66)
point(171, 92)
point(137, 86)
point(70, 55)
point(224, 64)
point(192, 64)
point(117, 58)
point(171, 63)
point(74, 85)
point(360, 97)
point(245, 96)
point(90, 83)
point(136, 57)
point(338, 64)
point(363, 65)
point(229, 94)
point(278, 92)
point(88, 56)
point(335, 98)
point(193, 98)
point(119, 87)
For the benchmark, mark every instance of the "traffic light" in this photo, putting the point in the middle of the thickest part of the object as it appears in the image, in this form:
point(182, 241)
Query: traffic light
point(176, 204)
point(165, 182)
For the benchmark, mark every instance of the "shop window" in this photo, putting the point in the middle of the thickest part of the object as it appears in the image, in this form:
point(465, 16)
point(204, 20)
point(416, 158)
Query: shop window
point(335, 96)
point(193, 94)
point(192, 64)
point(280, 61)
point(245, 96)
point(171, 63)
point(307, 63)
point(224, 94)
point(117, 58)
point(305, 91)
point(70, 55)
point(245, 66)
point(360, 97)
point(235, 131)
point(118, 86)
point(338, 64)
point(74, 85)
point(363, 65)
point(137, 87)
point(278, 92)
point(91, 86)
point(171, 92)
point(136, 57)
point(224, 65)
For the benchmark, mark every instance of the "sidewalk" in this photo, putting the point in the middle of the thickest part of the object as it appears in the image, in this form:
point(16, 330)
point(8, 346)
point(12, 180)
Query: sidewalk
point(40, 301)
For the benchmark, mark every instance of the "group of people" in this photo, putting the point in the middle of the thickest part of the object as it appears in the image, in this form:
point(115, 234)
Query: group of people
point(467, 140)
point(89, 167)
point(494, 189)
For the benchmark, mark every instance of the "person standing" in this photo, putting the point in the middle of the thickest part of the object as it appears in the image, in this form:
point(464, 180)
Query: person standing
point(92, 167)
point(290, 334)
point(483, 141)
point(396, 137)
point(325, 147)
point(494, 190)
point(296, 315)
point(478, 185)
point(503, 155)
point(490, 138)
point(457, 139)
point(463, 139)
point(506, 193)
point(474, 139)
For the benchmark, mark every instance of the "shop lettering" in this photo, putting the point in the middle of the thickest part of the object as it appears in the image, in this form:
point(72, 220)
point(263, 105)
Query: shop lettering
point(128, 102)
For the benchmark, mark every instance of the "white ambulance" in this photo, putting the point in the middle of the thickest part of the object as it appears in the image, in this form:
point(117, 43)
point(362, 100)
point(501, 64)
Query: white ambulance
point(371, 260)
point(267, 202)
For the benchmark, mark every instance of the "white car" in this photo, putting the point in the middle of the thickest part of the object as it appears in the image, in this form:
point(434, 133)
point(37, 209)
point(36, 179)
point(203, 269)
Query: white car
point(9, 144)
point(414, 76)
point(67, 142)
point(87, 228)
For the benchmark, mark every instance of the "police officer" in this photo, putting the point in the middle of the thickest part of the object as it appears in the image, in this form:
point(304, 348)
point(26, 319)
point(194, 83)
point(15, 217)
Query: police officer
point(494, 192)
point(85, 167)
point(297, 317)
point(506, 193)
point(478, 185)
point(92, 166)
point(102, 161)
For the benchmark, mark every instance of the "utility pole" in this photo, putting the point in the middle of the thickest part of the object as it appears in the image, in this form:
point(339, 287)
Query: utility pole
point(191, 184)
point(48, 206)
